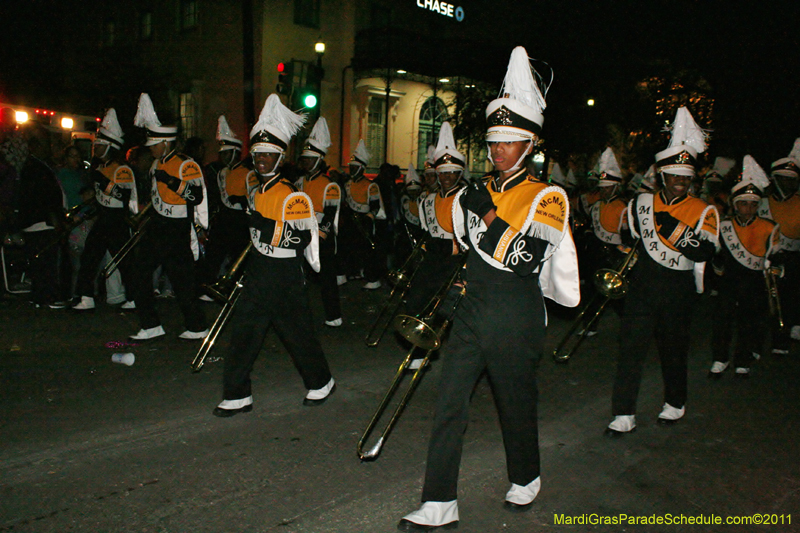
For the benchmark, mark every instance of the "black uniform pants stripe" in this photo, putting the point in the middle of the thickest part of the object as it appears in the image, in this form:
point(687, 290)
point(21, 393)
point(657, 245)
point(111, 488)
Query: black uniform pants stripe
point(658, 307)
point(274, 294)
point(488, 336)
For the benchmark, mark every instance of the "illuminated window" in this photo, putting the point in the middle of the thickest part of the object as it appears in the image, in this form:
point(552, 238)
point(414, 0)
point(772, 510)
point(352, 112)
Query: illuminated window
point(376, 129)
point(431, 116)
point(188, 15)
point(146, 25)
point(306, 13)
point(187, 113)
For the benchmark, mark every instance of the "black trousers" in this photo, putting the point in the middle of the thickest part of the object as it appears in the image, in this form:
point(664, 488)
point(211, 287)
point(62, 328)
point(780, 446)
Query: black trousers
point(167, 242)
point(274, 294)
point(44, 270)
point(109, 232)
point(658, 307)
point(329, 288)
point(789, 290)
point(740, 306)
point(499, 328)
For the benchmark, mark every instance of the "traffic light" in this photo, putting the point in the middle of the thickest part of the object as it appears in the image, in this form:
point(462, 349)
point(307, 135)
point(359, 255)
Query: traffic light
point(309, 95)
point(285, 78)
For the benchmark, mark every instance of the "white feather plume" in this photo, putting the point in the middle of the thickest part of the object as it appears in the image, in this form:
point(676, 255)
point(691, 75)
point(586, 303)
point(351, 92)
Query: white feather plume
point(361, 152)
point(556, 175)
point(519, 83)
point(753, 173)
point(686, 131)
point(111, 123)
point(146, 113)
point(608, 163)
point(446, 138)
point(723, 165)
point(320, 136)
point(795, 153)
point(223, 129)
point(276, 116)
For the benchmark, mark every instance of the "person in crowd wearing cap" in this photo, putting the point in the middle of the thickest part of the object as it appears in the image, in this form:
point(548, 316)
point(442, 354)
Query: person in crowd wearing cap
point(520, 248)
point(326, 197)
point(116, 196)
point(783, 206)
point(228, 232)
point(749, 242)
point(442, 252)
point(283, 228)
point(179, 200)
point(364, 200)
point(607, 220)
point(715, 191)
point(678, 233)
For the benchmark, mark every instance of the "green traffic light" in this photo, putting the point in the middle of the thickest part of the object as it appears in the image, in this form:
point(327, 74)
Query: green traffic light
point(310, 101)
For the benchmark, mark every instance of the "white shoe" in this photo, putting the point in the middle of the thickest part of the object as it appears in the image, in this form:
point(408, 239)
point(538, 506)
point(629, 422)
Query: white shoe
point(229, 408)
point(795, 333)
point(341, 280)
point(206, 298)
point(334, 323)
point(742, 372)
point(414, 364)
point(779, 351)
point(318, 396)
point(86, 303)
point(193, 335)
point(147, 334)
point(621, 424)
point(431, 515)
point(718, 367)
point(756, 356)
point(130, 305)
point(590, 333)
point(519, 498)
point(669, 415)
point(372, 285)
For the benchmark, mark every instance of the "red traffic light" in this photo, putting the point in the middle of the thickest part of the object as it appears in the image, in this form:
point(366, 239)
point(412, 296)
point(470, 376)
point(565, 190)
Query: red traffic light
point(281, 67)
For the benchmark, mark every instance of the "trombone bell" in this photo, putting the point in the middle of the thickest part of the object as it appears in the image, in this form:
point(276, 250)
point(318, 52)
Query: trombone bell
point(610, 283)
point(417, 332)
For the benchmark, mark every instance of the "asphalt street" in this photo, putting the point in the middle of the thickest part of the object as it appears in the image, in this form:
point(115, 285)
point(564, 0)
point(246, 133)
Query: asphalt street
point(93, 446)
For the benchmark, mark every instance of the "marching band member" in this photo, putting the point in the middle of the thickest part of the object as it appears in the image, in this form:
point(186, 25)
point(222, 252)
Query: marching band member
point(115, 192)
point(749, 242)
point(442, 252)
point(409, 204)
point(430, 182)
point(283, 228)
point(557, 177)
point(607, 218)
point(679, 233)
point(517, 231)
point(326, 197)
point(783, 206)
point(714, 190)
point(179, 200)
point(228, 233)
point(364, 200)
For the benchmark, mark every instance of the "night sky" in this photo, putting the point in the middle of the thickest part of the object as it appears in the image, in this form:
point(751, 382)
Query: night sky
point(750, 56)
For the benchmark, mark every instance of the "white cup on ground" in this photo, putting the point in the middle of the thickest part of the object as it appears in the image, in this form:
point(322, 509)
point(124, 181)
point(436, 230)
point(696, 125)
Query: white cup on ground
point(123, 358)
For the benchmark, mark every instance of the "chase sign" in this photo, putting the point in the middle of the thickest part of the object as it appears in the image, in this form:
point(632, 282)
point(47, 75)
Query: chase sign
point(443, 8)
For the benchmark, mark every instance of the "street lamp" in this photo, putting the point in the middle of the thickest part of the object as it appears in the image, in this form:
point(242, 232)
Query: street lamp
point(319, 48)
point(590, 102)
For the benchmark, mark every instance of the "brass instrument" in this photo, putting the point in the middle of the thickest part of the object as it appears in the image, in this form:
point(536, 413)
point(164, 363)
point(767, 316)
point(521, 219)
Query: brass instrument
point(376, 449)
point(225, 290)
point(139, 223)
point(401, 281)
point(611, 284)
point(71, 221)
point(773, 296)
point(426, 330)
point(222, 289)
point(357, 218)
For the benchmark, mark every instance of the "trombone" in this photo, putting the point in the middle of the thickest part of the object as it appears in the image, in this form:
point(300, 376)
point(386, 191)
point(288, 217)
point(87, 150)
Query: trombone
point(226, 290)
point(773, 296)
point(429, 341)
point(611, 284)
point(401, 281)
point(139, 223)
point(356, 218)
point(71, 221)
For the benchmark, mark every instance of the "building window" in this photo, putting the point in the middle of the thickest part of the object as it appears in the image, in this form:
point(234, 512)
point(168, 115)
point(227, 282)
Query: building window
point(306, 13)
point(188, 15)
point(376, 130)
point(431, 116)
point(146, 25)
point(187, 114)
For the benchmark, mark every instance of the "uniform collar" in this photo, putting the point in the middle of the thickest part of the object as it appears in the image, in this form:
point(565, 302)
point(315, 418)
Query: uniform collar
point(169, 155)
point(513, 181)
point(270, 183)
point(674, 201)
point(451, 192)
point(314, 176)
point(739, 222)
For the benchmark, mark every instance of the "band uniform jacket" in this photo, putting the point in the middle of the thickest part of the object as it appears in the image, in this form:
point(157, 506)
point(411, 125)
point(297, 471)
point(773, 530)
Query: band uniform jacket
point(114, 185)
point(326, 198)
point(607, 220)
point(745, 247)
point(364, 196)
point(436, 217)
point(787, 215)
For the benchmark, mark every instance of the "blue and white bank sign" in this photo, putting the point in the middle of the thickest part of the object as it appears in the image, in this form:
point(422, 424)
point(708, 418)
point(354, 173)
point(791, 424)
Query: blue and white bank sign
point(443, 8)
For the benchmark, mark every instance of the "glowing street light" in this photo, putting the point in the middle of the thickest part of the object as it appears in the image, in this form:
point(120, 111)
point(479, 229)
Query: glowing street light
point(590, 102)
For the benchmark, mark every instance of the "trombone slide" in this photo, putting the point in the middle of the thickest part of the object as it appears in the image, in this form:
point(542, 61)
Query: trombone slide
point(216, 329)
point(373, 452)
